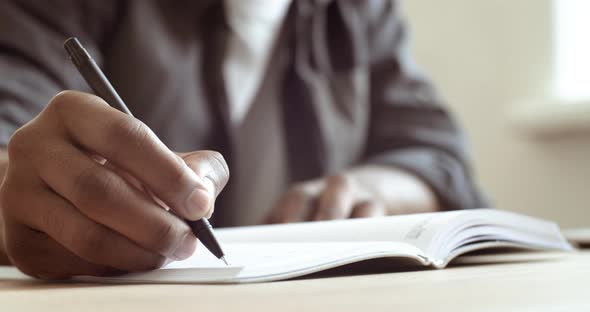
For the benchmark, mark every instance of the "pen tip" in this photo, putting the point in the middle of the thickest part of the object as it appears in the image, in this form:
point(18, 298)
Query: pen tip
point(225, 261)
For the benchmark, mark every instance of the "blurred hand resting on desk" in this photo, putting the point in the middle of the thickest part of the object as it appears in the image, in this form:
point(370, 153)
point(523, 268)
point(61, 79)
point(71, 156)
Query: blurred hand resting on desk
point(368, 191)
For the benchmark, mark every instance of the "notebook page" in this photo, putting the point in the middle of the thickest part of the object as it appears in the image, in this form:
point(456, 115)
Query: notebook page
point(417, 230)
point(258, 262)
point(498, 225)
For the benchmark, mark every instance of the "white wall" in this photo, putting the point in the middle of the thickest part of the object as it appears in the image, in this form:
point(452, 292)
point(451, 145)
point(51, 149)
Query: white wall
point(484, 56)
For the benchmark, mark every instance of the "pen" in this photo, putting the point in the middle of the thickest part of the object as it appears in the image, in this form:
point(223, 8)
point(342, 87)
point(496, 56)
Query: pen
point(103, 88)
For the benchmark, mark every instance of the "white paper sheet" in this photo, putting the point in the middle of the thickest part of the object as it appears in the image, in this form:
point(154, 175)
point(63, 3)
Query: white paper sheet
point(258, 262)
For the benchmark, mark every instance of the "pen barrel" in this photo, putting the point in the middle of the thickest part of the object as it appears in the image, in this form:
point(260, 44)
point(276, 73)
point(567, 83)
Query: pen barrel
point(200, 225)
point(93, 75)
point(204, 232)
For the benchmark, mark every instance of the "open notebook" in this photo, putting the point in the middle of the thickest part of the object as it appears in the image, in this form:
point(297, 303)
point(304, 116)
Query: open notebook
point(277, 252)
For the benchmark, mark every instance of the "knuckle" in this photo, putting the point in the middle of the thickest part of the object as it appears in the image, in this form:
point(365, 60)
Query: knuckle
point(165, 236)
point(128, 134)
point(339, 181)
point(62, 102)
point(130, 130)
point(20, 142)
point(65, 95)
point(54, 222)
point(178, 174)
point(174, 178)
point(94, 188)
point(91, 244)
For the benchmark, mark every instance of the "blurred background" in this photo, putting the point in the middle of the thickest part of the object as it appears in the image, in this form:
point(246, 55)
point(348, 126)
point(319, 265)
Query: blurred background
point(517, 74)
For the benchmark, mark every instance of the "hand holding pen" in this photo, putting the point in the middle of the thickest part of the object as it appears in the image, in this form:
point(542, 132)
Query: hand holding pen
point(85, 218)
point(103, 88)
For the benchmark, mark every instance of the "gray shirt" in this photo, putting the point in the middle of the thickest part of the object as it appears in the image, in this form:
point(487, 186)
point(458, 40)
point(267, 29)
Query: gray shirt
point(349, 93)
point(261, 175)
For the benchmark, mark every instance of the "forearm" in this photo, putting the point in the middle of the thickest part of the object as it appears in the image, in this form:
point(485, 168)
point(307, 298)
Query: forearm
point(400, 191)
point(3, 165)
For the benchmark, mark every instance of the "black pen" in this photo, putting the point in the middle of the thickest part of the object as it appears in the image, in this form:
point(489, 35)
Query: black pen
point(103, 88)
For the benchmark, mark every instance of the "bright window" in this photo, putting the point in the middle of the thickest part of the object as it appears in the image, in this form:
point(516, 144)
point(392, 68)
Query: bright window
point(572, 55)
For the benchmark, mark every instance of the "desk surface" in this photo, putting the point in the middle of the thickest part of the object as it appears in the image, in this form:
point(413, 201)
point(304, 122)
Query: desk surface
point(513, 282)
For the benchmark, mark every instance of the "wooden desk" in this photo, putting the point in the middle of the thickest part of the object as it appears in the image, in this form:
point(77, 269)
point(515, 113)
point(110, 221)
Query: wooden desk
point(545, 282)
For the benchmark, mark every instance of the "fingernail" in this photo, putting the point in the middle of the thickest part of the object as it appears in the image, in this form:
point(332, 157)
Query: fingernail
point(186, 248)
point(211, 209)
point(197, 204)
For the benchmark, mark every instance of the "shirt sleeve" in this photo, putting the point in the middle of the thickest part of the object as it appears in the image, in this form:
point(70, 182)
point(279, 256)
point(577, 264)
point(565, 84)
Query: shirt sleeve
point(410, 128)
point(33, 64)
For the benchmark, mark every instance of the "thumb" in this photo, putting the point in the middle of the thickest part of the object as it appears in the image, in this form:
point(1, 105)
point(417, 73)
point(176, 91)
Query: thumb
point(211, 167)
